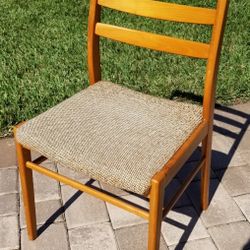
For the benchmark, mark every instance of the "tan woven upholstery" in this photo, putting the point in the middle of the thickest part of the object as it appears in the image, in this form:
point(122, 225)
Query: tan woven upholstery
point(112, 134)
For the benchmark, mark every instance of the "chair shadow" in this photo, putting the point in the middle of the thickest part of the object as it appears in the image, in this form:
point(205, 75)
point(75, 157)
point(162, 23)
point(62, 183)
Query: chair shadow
point(61, 210)
point(217, 156)
point(220, 161)
point(247, 245)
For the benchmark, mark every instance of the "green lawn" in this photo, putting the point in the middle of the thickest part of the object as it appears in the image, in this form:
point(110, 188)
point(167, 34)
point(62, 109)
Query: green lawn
point(43, 56)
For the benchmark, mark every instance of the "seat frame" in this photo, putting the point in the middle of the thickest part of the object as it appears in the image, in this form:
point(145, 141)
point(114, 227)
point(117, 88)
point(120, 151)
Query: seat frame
point(201, 134)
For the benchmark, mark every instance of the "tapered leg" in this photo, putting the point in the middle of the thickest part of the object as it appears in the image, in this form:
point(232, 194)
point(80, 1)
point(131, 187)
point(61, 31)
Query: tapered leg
point(23, 155)
point(205, 171)
point(155, 216)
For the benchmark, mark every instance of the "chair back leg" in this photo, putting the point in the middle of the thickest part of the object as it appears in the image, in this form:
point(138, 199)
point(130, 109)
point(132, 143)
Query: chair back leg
point(155, 215)
point(205, 170)
point(23, 155)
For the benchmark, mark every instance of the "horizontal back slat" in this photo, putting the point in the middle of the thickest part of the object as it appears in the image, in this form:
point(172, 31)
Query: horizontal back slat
point(164, 11)
point(153, 41)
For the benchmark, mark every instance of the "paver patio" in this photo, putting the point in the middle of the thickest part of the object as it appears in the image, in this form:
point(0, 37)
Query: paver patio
point(70, 219)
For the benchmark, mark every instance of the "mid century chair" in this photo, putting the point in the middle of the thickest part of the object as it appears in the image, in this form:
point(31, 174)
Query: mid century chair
point(121, 137)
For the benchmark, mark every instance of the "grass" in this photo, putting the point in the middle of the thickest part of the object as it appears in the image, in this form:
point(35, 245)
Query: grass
point(43, 56)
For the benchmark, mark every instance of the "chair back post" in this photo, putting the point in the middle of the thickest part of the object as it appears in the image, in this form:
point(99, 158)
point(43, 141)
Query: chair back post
point(213, 61)
point(93, 43)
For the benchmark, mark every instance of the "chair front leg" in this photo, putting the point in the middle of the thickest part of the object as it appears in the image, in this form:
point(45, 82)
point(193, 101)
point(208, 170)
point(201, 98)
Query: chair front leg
point(205, 170)
point(155, 215)
point(23, 155)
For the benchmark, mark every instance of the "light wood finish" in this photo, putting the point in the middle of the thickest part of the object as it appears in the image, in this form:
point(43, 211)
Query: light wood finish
point(93, 43)
point(206, 170)
point(182, 188)
point(23, 155)
point(209, 94)
point(163, 11)
point(172, 167)
point(153, 41)
point(155, 215)
point(213, 60)
point(90, 190)
point(203, 133)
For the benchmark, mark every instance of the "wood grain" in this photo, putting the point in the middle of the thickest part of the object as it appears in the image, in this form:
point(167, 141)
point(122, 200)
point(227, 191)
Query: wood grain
point(153, 41)
point(209, 95)
point(24, 155)
point(90, 190)
point(94, 67)
point(163, 11)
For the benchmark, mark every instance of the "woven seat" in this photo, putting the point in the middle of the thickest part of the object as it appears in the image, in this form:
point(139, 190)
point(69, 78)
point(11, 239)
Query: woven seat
point(112, 134)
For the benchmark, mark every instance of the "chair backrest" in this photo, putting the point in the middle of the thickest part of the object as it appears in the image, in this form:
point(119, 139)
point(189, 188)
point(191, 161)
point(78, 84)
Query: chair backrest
point(164, 11)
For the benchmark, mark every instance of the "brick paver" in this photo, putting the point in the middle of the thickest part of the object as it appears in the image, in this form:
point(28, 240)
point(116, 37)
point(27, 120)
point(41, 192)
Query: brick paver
point(8, 180)
point(49, 210)
point(68, 219)
point(222, 208)
point(121, 218)
point(82, 237)
point(46, 188)
point(9, 232)
point(7, 153)
point(55, 237)
point(243, 201)
point(9, 204)
point(82, 209)
point(231, 236)
point(201, 244)
point(135, 237)
point(236, 180)
point(181, 225)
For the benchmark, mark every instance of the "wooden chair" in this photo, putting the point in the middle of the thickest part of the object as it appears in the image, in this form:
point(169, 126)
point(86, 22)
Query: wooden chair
point(121, 137)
